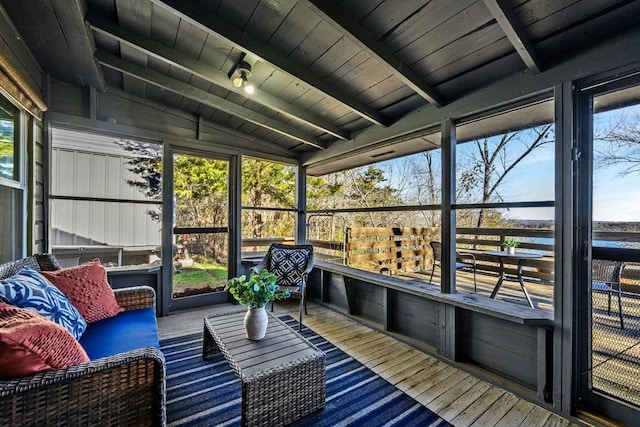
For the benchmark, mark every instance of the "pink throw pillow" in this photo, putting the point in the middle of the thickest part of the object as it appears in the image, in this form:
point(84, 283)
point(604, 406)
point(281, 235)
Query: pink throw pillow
point(30, 343)
point(88, 289)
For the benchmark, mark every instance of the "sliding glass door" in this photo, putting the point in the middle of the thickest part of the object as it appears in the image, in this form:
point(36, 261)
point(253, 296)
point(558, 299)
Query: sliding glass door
point(609, 295)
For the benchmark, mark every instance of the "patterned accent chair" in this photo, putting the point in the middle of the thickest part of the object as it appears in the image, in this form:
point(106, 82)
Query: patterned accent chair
point(291, 264)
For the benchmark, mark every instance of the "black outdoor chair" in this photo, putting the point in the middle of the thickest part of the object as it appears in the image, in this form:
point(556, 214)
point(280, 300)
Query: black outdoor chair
point(436, 247)
point(605, 278)
point(291, 264)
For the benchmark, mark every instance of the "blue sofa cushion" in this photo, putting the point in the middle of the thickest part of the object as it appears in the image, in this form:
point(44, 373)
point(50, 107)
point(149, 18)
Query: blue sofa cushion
point(127, 331)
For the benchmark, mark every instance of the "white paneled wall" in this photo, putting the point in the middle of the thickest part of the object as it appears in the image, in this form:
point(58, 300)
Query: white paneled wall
point(103, 174)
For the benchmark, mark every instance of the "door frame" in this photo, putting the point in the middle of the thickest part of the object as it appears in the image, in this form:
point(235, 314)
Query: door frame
point(197, 148)
point(588, 400)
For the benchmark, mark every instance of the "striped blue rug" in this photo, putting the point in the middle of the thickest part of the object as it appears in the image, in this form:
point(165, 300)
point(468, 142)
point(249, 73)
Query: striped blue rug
point(207, 393)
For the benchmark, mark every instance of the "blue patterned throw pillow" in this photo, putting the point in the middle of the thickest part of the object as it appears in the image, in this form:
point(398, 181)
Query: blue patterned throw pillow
point(288, 265)
point(29, 289)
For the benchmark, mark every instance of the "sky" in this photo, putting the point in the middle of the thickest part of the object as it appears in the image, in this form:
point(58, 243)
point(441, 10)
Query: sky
point(616, 197)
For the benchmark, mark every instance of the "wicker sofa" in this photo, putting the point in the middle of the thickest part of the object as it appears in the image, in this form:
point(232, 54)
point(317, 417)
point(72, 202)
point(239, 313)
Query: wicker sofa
point(124, 388)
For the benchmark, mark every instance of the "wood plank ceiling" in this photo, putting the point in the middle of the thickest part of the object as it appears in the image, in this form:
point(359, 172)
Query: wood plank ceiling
point(324, 71)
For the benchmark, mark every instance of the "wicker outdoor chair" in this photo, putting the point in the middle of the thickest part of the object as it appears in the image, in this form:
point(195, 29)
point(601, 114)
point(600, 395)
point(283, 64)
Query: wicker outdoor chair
point(436, 247)
point(305, 268)
point(605, 278)
point(120, 390)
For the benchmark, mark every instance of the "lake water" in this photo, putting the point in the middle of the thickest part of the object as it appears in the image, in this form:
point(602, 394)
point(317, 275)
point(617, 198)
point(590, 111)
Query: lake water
point(599, 243)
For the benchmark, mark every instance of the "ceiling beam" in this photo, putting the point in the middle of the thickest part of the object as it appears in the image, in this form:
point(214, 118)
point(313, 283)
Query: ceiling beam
point(91, 125)
point(218, 132)
point(362, 38)
point(171, 56)
point(508, 21)
point(184, 89)
point(70, 15)
point(212, 24)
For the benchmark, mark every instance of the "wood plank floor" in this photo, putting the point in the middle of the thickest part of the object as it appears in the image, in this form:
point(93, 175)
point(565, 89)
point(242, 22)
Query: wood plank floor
point(455, 395)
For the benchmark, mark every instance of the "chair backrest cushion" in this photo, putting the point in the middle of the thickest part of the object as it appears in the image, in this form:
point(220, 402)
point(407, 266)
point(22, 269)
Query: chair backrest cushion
point(288, 265)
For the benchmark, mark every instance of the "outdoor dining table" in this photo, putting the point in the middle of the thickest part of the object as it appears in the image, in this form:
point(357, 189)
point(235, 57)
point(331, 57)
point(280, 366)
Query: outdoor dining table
point(521, 257)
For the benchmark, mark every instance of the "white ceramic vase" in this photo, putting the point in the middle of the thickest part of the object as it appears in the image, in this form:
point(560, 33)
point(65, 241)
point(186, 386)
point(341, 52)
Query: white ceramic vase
point(511, 250)
point(255, 323)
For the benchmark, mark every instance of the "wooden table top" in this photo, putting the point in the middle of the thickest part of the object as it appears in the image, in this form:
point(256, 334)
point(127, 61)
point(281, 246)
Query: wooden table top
point(281, 344)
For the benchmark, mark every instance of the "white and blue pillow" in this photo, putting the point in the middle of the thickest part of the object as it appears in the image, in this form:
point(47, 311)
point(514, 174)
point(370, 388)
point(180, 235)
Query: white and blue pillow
point(288, 265)
point(29, 289)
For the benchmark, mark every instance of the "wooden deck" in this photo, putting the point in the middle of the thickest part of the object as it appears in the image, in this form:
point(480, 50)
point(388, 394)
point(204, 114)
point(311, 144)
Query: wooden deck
point(541, 293)
point(455, 395)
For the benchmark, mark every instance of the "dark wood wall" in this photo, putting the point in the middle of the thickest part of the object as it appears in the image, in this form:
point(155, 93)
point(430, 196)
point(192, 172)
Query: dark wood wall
point(37, 178)
point(16, 53)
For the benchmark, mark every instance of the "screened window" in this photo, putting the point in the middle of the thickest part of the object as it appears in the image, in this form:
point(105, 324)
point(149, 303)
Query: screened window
point(11, 191)
point(9, 143)
point(105, 198)
point(268, 203)
point(379, 217)
point(505, 206)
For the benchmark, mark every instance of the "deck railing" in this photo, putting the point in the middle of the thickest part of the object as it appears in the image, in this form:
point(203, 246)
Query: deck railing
point(403, 249)
point(407, 249)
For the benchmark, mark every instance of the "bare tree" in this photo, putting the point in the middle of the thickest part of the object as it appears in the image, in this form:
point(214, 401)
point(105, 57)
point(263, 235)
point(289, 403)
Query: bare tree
point(618, 144)
point(425, 186)
point(492, 162)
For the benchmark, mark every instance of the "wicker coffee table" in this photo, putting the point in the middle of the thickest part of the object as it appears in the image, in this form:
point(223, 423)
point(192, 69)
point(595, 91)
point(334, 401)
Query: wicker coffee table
point(282, 376)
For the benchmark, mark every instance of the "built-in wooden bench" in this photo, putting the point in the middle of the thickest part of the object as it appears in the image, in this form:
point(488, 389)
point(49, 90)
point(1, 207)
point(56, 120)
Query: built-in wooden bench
point(479, 334)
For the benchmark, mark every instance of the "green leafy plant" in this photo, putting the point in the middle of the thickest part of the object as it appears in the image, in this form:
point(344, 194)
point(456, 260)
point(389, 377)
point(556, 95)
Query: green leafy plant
point(256, 292)
point(509, 243)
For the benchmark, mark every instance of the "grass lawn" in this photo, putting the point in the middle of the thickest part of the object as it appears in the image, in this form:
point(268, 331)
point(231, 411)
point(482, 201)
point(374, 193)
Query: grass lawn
point(199, 278)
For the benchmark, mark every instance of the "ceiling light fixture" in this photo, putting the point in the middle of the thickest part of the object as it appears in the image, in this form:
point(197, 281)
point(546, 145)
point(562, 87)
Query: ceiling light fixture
point(241, 75)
